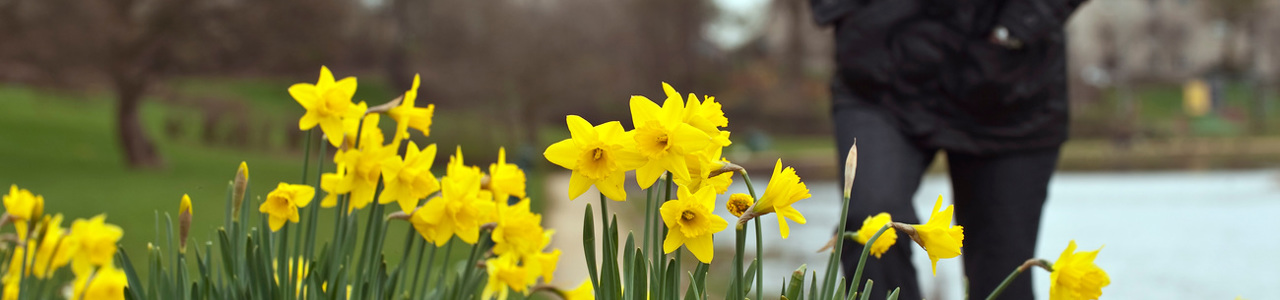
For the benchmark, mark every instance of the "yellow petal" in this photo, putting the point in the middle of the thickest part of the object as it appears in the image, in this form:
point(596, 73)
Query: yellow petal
point(702, 248)
point(673, 241)
point(304, 94)
point(564, 154)
point(647, 174)
point(578, 184)
point(580, 129)
point(783, 228)
point(612, 188)
point(643, 110)
point(276, 223)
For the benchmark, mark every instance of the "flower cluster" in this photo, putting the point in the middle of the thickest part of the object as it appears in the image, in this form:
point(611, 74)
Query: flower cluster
point(464, 203)
point(44, 247)
point(680, 138)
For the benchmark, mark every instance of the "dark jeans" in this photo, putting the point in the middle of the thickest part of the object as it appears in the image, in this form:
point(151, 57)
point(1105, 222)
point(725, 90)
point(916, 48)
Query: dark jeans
point(998, 199)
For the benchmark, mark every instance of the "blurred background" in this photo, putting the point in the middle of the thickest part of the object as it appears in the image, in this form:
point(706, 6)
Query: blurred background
point(122, 106)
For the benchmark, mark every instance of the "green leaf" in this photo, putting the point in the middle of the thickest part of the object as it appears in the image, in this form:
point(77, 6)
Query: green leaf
point(639, 279)
point(749, 279)
point(130, 274)
point(795, 289)
point(589, 249)
point(893, 295)
point(866, 291)
point(628, 270)
point(813, 287)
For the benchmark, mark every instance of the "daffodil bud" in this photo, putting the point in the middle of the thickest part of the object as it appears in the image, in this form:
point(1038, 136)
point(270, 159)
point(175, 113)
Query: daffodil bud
point(184, 222)
point(850, 168)
point(237, 192)
point(725, 167)
point(399, 215)
point(385, 107)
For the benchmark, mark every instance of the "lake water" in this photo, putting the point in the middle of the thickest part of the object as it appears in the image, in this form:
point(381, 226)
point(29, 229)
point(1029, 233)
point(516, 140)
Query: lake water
point(1168, 235)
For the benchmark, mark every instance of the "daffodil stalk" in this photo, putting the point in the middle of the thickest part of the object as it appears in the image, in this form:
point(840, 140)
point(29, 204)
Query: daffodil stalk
point(1034, 262)
point(862, 260)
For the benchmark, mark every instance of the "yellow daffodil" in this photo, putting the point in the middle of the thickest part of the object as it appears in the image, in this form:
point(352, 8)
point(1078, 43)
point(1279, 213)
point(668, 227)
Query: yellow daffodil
point(506, 180)
point(408, 114)
point(544, 263)
point(518, 231)
point(107, 283)
point(328, 104)
point(506, 275)
point(364, 165)
point(93, 243)
point(784, 189)
point(938, 237)
point(584, 291)
point(869, 228)
point(23, 207)
point(739, 203)
point(692, 223)
point(460, 208)
point(334, 184)
point(409, 180)
point(663, 138)
point(701, 164)
point(282, 203)
point(44, 262)
point(599, 156)
point(1075, 276)
point(705, 115)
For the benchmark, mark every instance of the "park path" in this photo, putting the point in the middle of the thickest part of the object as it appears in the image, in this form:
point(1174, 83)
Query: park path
point(1167, 235)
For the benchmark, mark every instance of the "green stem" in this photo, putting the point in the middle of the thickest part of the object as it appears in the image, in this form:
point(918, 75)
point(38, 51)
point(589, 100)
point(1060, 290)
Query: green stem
point(759, 261)
point(866, 249)
point(1005, 284)
point(417, 272)
point(739, 248)
point(1014, 275)
point(648, 231)
point(667, 197)
point(444, 272)
point(471, 264)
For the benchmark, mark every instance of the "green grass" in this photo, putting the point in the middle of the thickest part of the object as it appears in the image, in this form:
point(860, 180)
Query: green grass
point(63, 146)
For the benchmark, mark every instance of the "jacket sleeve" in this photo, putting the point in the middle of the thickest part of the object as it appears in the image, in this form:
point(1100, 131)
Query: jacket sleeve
point(1031, 20)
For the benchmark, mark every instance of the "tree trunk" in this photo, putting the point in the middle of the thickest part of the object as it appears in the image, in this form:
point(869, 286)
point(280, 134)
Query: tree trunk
point(139, 150)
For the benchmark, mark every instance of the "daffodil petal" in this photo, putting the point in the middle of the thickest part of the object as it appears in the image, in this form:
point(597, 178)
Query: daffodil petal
point(702, 248)
point(564, 154)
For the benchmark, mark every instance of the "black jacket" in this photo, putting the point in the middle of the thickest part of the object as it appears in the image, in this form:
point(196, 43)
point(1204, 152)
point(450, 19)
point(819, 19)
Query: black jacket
point(931, 63)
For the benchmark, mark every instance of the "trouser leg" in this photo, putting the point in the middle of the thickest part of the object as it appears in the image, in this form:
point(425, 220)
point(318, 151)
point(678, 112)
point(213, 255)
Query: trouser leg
point(888, 174)
point(999, 200)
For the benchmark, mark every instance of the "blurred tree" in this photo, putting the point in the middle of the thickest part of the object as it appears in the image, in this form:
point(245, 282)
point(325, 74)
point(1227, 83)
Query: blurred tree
point(131, 45)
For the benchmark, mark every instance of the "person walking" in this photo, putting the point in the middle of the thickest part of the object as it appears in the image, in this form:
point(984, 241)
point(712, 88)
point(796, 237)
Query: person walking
point(983, 81)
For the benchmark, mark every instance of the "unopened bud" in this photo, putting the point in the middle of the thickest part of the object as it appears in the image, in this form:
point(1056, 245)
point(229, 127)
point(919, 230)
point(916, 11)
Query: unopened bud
point(909, 230)
point(184, 222)
point(399, 215)
point(385, 107)
point(237, 192)
point(725, 167)
point(850, 168)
